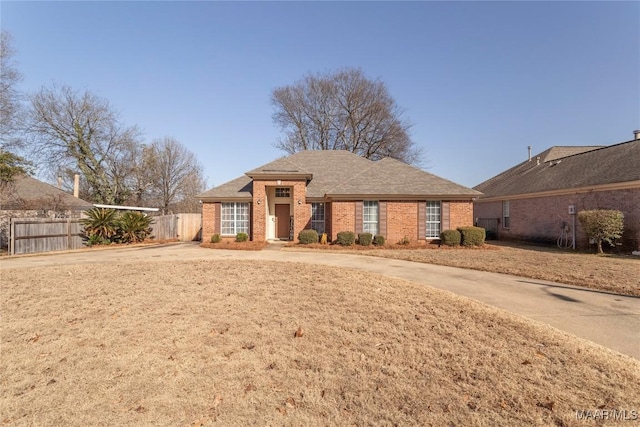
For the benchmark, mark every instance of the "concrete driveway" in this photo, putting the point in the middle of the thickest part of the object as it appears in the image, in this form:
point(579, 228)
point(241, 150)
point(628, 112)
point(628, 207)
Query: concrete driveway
point(607, 319)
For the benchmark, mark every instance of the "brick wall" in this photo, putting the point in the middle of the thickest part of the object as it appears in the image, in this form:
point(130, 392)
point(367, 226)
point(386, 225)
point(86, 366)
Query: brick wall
point(209, 226)
point(460, 214)
point(343, 218)
point(540, 219)
point(402, 218)
point(402, 221)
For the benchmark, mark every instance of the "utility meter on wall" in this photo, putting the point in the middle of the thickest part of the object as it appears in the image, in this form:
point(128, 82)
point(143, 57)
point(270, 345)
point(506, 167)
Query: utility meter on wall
point(572, 210)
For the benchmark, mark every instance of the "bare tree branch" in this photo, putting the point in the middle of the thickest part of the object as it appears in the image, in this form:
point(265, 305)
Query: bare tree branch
point(83, 128)
point(342, 111)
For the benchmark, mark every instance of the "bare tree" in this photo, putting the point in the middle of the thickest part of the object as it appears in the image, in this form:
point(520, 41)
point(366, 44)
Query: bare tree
point(10, 98)
point(343, 110)
point(173, 172)
point(83, 131)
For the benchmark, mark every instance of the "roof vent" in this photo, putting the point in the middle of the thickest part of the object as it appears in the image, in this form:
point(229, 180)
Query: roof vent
point(529, 148)
point(636, 134)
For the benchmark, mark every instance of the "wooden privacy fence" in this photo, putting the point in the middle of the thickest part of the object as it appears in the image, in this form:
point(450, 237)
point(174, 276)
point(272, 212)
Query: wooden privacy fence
point(31, 235)
point(184, 227)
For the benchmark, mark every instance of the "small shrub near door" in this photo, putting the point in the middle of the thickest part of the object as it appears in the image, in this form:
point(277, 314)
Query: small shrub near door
point(346, 238)
point(307, 237)
point(216, 238)
point(242, 237)
point(472, 236)
point(450, 237)
point(365, 239)
point(378, 240)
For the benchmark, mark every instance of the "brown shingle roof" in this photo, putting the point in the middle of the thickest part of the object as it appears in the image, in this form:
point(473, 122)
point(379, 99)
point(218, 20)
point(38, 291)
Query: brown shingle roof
point(394, 178)
point(27, 192)
point(591, 166)
point(335, 173)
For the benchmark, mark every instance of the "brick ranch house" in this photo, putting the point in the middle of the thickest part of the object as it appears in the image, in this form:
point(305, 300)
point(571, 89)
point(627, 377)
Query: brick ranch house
point(536, 199)
point(332, 191)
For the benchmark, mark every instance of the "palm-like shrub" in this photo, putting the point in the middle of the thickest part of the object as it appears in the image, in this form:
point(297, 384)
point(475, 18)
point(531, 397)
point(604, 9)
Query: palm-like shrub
point(100, 223)
point(133, 227)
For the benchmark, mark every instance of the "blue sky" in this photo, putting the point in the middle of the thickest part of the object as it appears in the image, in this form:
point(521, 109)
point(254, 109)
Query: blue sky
point(481, 81)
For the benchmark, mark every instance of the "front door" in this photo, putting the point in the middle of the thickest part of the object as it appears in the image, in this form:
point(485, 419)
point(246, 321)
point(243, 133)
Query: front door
point(282, 221)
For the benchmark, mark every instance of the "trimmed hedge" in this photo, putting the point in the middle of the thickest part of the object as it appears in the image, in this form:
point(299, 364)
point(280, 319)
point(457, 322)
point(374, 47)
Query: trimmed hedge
point(450, 237)
point(307, 237)
point(216, 238)
point(472, 236)
point(378, 240)
point(346, 238)
point(242, 237)
point(365, 239)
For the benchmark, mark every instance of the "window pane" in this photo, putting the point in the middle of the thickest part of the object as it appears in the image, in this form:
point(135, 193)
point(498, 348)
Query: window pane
point(433, 220)
point(283, 192)
point(317, 217)
point(370, 217)
point(234, 218)
point(505, 214)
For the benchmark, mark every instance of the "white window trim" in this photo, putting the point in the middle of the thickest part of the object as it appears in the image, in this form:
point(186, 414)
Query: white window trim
point(237, 228)
point(368, 224)
point(438, 221)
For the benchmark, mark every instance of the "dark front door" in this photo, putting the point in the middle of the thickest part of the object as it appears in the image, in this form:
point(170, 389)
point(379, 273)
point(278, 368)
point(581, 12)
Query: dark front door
point(282, 221)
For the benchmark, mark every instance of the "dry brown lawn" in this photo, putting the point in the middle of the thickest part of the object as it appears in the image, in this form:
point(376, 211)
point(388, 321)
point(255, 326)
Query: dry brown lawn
point(263, 343)
point(613, 273)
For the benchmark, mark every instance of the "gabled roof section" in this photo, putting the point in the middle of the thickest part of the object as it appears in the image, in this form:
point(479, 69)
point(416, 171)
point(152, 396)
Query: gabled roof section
point(341, 174)
point(587, 167)
point(395, 179)
point(240, 189)
point(25, 192)
point(281, 168)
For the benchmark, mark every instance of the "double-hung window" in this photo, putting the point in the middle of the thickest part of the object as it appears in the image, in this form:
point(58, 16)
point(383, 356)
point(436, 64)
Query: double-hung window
point(317, 217)
point(370, 217)
point(433, 215)
point(505, 214)
point(234, 218)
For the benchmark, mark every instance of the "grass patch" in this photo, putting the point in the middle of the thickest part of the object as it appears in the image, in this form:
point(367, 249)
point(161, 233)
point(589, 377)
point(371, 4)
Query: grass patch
point(201, 342)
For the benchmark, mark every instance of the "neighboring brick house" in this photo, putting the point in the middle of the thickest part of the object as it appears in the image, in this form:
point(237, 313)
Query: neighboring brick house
point(332, 191)
point(538, 200)
point(26, 197)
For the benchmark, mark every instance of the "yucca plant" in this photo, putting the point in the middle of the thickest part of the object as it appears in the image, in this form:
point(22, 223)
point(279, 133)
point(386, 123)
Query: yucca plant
point(133, 227)
point(100, 223)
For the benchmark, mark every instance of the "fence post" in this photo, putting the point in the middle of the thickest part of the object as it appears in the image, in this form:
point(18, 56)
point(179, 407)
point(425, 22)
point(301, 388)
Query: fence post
point(69, 246)
point(12, 233)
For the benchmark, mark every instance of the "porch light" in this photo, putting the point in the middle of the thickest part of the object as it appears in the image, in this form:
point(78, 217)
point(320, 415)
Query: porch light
point(299, 201)
point(258, 201)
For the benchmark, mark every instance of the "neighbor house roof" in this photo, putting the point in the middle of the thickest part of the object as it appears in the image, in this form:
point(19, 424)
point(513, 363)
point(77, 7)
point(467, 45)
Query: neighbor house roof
point(340, 174)
point(25, 192)
point(568, 168)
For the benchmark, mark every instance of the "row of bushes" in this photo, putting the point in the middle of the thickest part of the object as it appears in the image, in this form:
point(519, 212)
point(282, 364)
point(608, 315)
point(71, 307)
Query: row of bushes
point(343, 238)
point(240, 237)
point(465, 236)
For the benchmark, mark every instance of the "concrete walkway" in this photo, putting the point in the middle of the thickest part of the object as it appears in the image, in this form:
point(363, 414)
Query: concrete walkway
point(604, 318)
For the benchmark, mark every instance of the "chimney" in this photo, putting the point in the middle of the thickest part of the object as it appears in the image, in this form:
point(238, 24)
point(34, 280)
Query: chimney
point(636, 134)
point(59, 182)
point(529, 147)
point(76, 186)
